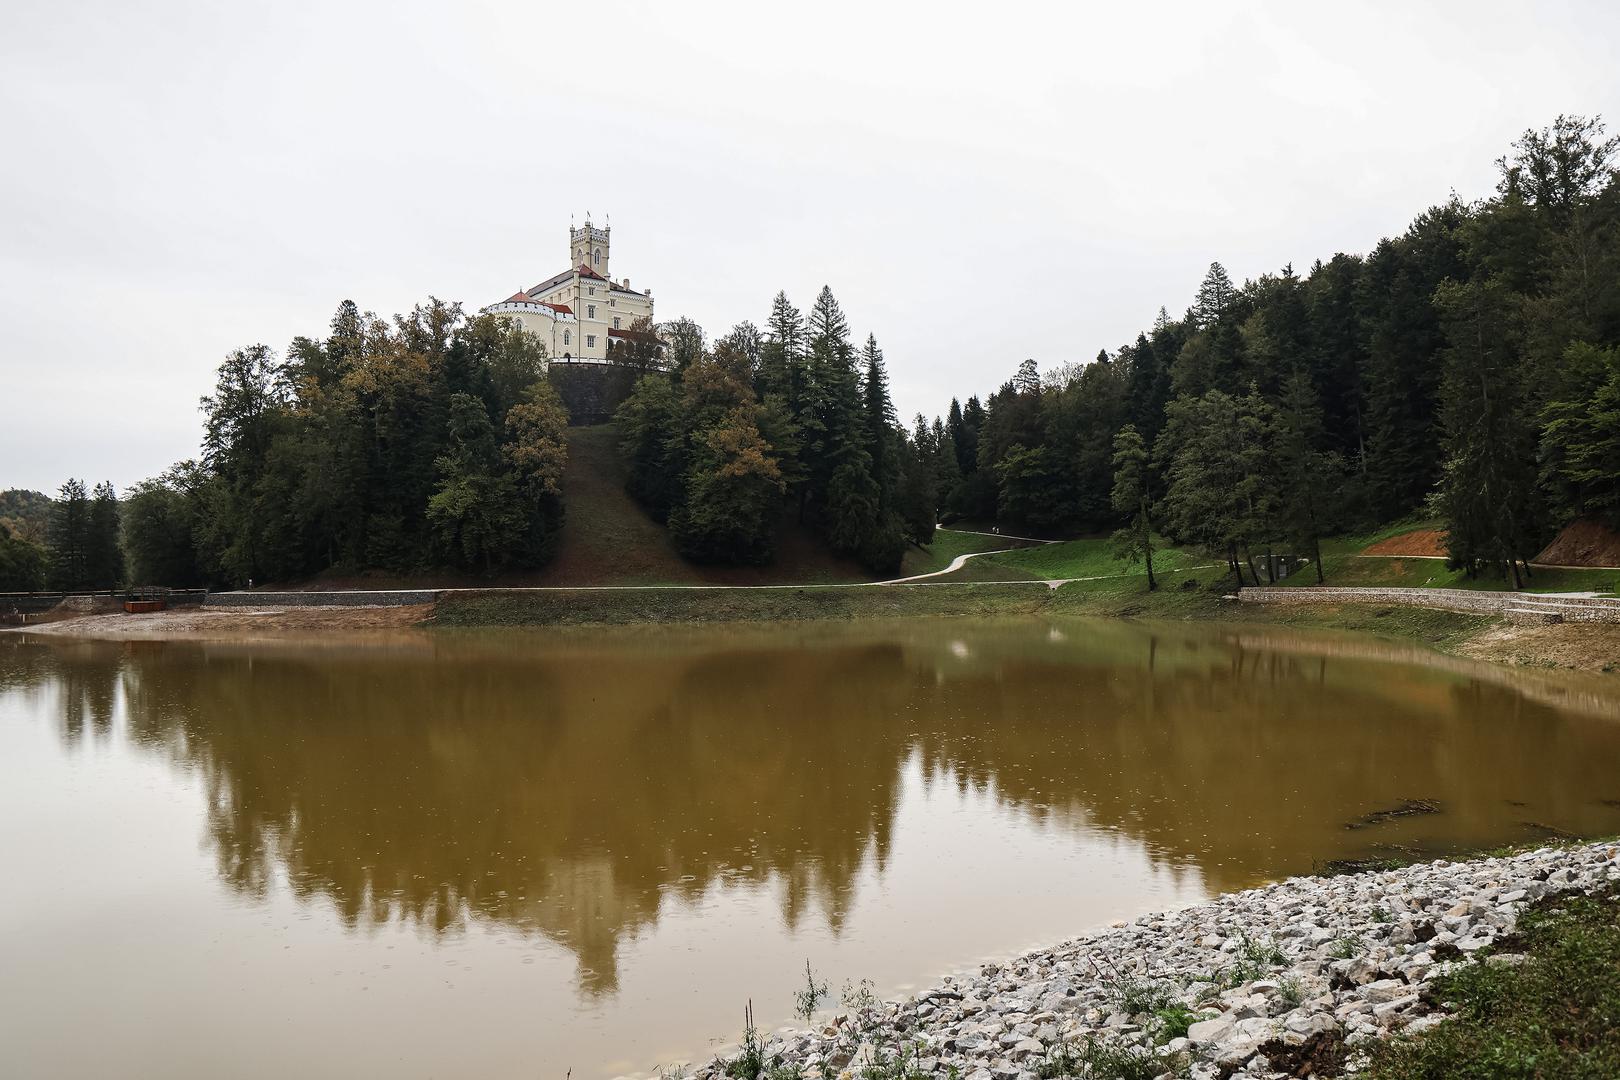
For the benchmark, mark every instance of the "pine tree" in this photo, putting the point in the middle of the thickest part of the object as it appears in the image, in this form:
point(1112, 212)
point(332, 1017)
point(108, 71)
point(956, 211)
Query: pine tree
point(104, 560)
point(1028, 378)
point(880, 421)
point(919, 481)
point(1310, 477)
point(1134, 541)
point(781, 368)
point(70, 537)
point(1215, 296)
point(1487, 495)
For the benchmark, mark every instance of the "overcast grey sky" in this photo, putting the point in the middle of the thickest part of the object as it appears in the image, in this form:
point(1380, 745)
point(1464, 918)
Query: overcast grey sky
point(978, 183)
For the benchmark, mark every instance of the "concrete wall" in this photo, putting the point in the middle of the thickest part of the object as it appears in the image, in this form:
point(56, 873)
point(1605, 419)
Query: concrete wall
point(1570, 609)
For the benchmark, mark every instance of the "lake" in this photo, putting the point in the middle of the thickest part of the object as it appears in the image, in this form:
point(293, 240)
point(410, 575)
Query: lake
point(524, 853)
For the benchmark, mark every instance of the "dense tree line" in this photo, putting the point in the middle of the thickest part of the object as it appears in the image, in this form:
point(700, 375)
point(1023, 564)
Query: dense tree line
point(795, 419)
point(70, 542)
point(429, 441)
point(1469, 367)
point(25, 518)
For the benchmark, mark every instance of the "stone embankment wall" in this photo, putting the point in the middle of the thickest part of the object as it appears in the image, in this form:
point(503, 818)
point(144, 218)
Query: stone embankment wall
point(349, 598)
point(591, 392)
point(1276, 980)
point(1567, 608)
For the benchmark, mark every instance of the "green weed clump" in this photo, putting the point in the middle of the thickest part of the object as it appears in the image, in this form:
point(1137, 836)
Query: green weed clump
point(1172, 1022)
point(1096, 1059)
point(1555, 1015)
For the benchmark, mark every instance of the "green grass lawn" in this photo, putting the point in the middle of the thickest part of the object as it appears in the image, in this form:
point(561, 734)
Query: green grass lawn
point(1557, 1014)
point(946, 546)
point(1350, 569)
point(1076, 559)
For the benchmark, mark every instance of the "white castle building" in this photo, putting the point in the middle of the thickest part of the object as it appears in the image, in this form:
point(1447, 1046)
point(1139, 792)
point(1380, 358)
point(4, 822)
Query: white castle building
point(580, 312)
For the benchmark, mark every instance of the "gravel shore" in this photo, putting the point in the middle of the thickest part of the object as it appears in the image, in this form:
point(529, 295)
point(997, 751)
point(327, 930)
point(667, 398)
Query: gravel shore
point(1285, 980)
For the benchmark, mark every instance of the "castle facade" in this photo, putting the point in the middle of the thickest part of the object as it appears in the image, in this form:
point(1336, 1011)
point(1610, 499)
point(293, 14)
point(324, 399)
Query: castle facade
point(582, 311)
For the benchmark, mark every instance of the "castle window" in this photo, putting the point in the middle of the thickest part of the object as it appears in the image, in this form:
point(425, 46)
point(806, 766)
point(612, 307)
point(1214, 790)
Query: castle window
point(566, 337)
point(615, 322)
point(596, 257)
point(590, 341)
point(590, 311)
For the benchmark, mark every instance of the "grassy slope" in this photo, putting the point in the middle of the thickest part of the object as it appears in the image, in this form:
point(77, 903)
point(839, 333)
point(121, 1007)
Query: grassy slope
point(1551, 1016)
point(608, 540)
point(1087, 558)
point(946, 546)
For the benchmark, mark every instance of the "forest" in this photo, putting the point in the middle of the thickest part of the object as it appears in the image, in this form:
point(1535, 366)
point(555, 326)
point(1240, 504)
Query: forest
point(1466, 371)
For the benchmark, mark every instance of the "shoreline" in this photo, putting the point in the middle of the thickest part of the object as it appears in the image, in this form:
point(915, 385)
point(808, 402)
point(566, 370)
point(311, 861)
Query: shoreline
point(1591, 647)
point(1299, 977)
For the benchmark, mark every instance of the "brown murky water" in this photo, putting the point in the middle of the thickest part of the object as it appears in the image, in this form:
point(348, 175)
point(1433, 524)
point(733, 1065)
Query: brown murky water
point(505, 855)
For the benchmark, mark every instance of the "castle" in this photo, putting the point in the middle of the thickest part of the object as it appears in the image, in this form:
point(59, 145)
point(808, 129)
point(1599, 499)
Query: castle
point(580, 312)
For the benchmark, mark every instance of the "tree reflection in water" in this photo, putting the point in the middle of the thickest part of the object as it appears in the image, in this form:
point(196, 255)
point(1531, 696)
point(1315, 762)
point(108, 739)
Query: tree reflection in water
point(570, 785)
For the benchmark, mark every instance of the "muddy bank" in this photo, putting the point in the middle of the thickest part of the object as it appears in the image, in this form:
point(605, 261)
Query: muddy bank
point(1589, 647)
point(235, 623)
point(1576, 646)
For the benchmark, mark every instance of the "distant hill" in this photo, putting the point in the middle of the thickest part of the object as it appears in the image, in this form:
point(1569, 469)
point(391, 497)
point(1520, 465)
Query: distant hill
point(26, 513)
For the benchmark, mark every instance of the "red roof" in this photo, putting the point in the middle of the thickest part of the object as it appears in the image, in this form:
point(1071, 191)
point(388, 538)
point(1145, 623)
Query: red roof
point(525, 298)
point(586, 271)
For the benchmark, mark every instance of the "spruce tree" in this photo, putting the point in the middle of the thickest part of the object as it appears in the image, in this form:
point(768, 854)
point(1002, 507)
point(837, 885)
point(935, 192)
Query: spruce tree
point(781, 368)
point(1133, 542)
point(879, 419)
point(104, 560)
point(1215, 296)
point(1487, 495)
point(70, 537)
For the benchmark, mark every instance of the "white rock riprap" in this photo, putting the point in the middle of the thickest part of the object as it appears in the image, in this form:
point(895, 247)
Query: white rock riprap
point(1284, 980)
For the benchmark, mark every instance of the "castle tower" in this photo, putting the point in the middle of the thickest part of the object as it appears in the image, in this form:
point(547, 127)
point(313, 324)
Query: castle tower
point(589, 247)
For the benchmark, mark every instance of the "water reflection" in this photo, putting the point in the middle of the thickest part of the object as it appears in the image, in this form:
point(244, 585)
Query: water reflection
point(582, 788)
point(567, 785)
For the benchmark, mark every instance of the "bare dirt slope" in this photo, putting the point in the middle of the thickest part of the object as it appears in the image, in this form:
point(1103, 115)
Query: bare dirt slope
point(1583, 543)
point(1422, 542)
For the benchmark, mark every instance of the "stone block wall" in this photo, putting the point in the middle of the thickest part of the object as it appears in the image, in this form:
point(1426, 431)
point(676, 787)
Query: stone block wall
point(591, 391)
point(1569, 608)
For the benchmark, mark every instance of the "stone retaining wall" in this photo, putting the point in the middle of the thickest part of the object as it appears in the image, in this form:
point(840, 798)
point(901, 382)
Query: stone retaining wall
point(347, 598)
point(1569, 608)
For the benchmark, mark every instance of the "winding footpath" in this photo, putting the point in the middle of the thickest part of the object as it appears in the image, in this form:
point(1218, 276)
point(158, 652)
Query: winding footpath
point(1292, 979)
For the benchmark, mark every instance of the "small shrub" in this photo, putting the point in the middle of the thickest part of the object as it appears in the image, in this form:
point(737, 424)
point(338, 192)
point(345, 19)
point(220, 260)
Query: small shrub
point(1345, 946)
point(1291, 992)
point(1260, 953)
point(1138, 996)
point(749, 1064)
point(1172, 1022)
point(808, 999)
